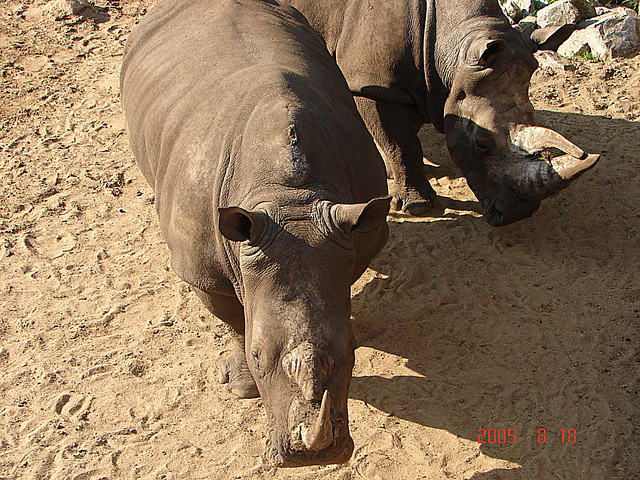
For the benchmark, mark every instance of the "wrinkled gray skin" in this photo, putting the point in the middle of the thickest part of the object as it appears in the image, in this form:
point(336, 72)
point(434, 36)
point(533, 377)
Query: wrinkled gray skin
point(270, 195)
point(459, 65)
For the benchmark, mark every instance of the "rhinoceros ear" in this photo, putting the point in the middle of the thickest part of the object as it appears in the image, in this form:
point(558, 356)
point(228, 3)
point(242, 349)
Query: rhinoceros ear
point(362, 217)
point(238, 224)
point(484, 51)
point(548, 38)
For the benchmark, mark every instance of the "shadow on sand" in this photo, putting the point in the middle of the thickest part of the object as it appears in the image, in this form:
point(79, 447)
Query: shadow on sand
point(527, 326)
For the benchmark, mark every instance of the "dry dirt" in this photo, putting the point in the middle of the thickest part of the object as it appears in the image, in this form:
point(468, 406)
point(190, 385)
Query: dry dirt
point(108, 359)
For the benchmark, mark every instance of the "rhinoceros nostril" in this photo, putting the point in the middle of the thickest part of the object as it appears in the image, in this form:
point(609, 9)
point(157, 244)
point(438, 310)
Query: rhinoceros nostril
point(483, 144)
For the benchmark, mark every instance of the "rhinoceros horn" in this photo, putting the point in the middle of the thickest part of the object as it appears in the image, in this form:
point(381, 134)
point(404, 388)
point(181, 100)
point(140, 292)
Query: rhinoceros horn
point(320, 435)
point(535, 139)
point(539, 179)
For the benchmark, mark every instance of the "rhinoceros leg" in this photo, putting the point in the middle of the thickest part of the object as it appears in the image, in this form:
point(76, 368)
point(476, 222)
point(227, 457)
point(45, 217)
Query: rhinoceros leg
point(393, 126)
point(233, 370)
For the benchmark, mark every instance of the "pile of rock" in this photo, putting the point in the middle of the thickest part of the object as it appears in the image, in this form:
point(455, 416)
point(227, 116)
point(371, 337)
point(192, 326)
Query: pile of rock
point(600, 32)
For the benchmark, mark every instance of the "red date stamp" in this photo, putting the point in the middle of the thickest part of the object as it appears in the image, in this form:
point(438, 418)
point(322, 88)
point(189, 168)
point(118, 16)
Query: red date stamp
point(497, 435)
point(509, 435)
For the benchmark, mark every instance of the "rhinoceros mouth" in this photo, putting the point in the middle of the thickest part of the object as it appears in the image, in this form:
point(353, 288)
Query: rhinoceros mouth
point(338, 452)
point(490, 213)
point(498, 212)
point(317, 438)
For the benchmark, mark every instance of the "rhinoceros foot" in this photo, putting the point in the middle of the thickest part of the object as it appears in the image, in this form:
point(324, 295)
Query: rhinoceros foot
point(412, 201)
point(234, 371)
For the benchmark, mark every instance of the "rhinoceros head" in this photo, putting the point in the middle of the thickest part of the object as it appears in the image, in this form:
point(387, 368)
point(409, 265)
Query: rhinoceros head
point(297, 265)
point(490, 123)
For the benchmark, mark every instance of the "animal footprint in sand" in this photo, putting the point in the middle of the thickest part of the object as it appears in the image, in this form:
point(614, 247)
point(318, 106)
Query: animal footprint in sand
point(73, 405)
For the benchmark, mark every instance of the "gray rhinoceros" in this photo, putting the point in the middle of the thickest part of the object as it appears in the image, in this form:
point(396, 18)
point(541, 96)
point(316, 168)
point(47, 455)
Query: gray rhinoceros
point(271, 195)
point(459, 65)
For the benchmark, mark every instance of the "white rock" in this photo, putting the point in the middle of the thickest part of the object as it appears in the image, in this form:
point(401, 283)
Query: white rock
point(558, 14)
point(512, 10)
point(614, 34)
point(527, 23)
point(548, 60)
point(529, 7)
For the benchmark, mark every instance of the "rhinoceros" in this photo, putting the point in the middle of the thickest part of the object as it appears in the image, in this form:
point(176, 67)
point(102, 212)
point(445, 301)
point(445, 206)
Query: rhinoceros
point(271, 196)
point(459, 65)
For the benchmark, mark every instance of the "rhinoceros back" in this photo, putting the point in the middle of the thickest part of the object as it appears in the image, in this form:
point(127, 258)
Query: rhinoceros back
point(193, 74)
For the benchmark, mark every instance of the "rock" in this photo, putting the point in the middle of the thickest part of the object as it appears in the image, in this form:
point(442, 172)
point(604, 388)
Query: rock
point(527, 23)
point(558, 14)
point(512, 10)
point(5, 251)
point(79, 7)
point(67, 8)
point(52, 180)
point(564, 13)
point(585, 7)
point(529, 7)
point(72, 7)
point(614, 34)
point(72, 179)
point(137, 367)
point(548, 60)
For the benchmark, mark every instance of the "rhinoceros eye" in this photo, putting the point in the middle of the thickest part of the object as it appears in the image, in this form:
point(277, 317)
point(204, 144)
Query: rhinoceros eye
point(256, 359)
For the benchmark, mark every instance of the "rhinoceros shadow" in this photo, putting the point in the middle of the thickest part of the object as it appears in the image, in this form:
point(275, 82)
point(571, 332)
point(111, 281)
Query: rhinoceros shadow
point(508, 327)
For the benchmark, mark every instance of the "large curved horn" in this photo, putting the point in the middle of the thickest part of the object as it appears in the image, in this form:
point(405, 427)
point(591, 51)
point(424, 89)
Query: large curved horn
point(320, 435)
point(535, 139)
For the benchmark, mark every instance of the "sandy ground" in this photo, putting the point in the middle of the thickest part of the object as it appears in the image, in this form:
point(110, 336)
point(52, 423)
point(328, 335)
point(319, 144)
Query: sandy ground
point(108, 359)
